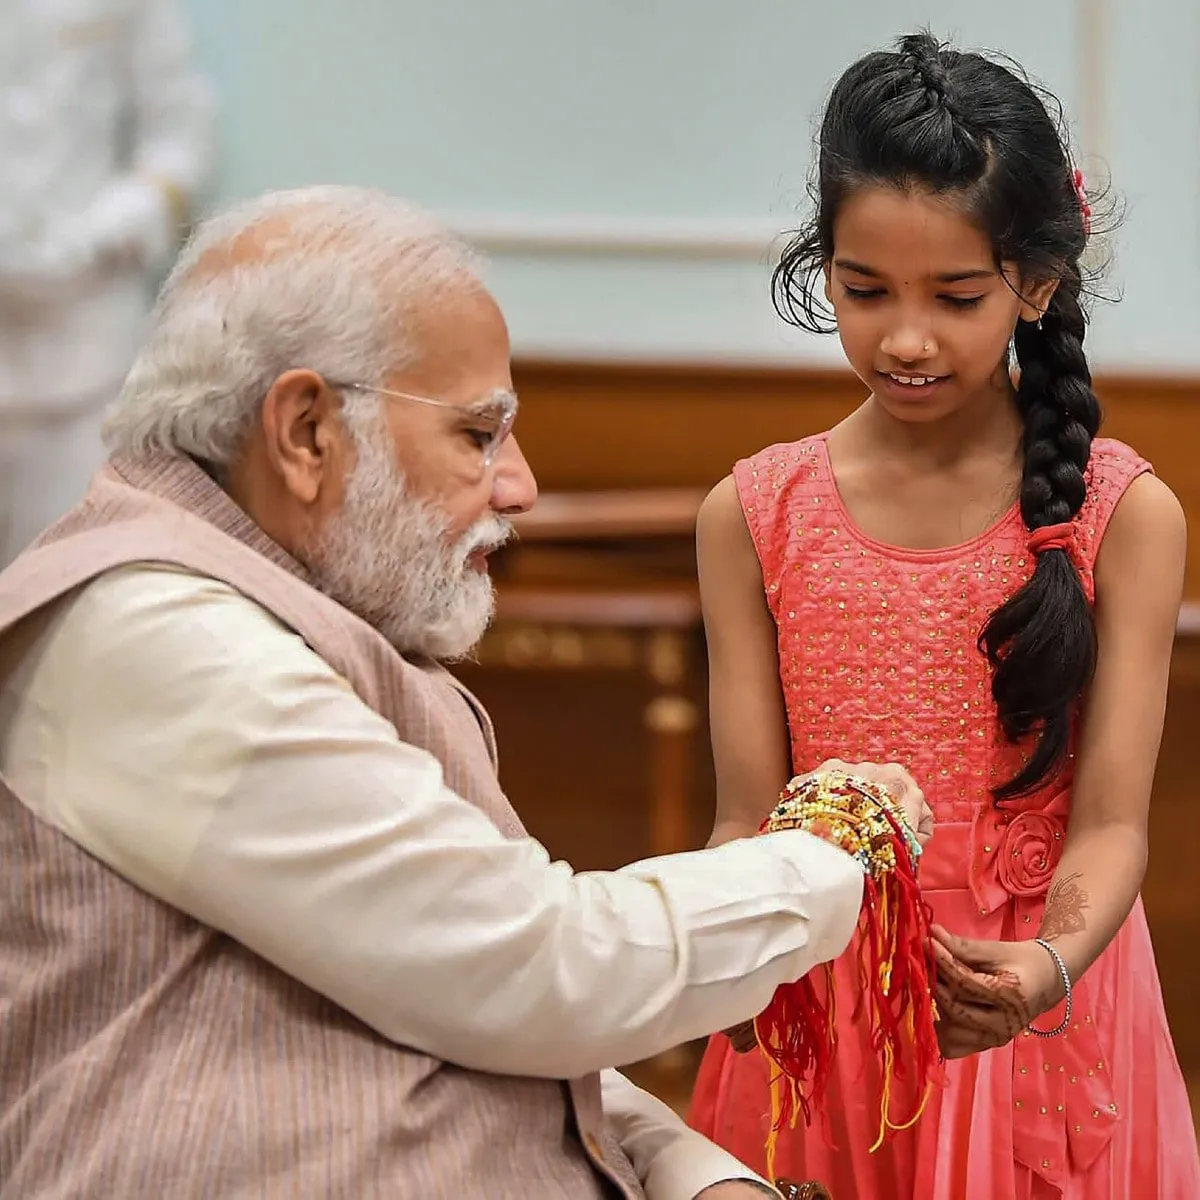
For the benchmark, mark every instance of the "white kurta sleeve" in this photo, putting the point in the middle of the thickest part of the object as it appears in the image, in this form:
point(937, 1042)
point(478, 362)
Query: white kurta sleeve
point(206, 753)
point(672, 1161)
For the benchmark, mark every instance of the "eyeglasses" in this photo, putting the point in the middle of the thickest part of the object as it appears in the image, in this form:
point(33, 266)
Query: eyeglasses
point(492, 417)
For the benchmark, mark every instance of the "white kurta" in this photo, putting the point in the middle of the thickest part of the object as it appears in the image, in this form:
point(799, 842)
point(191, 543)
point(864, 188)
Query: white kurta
point(158, 719)
point(105, 128)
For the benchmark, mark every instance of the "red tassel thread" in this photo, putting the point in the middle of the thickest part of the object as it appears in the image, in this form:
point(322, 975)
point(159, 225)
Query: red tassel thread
point(797, 1031)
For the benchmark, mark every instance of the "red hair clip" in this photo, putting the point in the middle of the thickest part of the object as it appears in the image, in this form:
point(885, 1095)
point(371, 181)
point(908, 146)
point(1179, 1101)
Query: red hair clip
point(1082, 196)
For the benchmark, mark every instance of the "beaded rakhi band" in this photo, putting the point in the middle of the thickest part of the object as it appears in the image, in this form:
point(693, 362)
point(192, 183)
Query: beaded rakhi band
point(857, 814)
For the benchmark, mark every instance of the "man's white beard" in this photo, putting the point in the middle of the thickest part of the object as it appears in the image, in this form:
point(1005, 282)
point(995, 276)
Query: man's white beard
point(385, 556)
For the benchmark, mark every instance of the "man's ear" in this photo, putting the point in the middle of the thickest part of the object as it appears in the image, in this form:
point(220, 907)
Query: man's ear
point(303, 432)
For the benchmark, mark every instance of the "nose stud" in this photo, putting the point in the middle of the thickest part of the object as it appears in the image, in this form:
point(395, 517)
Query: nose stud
point(925, 347)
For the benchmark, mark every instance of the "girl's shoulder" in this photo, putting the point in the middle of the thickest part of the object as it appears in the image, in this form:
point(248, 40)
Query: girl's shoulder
point(1111, 459)
point(770, 485)
point(773, 474)
point(1112, 467)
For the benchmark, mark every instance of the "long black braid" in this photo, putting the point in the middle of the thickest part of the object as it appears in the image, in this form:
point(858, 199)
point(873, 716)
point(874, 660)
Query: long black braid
point(1042, 641)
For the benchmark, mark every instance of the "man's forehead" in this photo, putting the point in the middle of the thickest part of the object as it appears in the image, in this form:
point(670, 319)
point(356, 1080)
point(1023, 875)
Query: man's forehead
point(458, 342)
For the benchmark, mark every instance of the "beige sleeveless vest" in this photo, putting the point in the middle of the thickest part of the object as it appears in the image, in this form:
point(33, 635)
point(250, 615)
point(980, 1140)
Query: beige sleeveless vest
point(144, 1055)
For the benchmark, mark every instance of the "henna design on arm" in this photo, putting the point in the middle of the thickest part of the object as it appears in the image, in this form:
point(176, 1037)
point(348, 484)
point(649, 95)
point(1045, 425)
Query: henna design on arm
point(1065, 908)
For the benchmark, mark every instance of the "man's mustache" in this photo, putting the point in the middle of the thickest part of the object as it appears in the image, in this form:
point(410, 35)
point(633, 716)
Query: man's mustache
point(488, 536)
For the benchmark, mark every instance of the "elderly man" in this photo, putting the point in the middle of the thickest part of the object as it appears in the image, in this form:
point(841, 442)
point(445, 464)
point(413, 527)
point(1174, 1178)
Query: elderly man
point(268, 925)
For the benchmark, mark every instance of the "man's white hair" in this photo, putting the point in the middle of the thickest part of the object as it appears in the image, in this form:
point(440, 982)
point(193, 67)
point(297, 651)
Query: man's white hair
point(330, 278)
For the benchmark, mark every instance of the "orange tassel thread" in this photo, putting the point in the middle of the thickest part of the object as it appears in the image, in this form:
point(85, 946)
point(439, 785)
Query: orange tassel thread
point(797, 1031)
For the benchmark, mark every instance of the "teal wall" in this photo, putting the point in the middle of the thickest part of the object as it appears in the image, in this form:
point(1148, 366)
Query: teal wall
point(626, 163)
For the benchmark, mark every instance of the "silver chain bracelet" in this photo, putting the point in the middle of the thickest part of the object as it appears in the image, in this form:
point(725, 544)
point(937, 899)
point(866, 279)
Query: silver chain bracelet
point(1065, 1023)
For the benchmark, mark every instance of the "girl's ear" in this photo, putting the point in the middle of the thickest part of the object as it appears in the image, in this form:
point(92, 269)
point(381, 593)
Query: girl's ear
point(1035, 299)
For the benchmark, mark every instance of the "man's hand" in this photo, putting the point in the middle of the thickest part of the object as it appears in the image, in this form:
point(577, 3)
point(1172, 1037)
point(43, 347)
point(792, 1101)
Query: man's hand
point(987, 992)
point(743, 1189)
point(742, 1037)
point(899, 783)
point(737, 1189)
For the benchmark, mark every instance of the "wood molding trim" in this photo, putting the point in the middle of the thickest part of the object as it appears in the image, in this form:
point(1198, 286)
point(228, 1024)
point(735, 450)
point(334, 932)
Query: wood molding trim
point(593, 426)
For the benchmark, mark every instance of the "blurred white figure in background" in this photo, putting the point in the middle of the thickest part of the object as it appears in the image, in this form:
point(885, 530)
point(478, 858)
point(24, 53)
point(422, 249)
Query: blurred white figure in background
point(106, 133)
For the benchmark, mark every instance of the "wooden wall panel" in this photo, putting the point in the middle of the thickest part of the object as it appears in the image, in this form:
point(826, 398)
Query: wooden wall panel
point(575, 761)
point(587, 426)
point(1172, 888)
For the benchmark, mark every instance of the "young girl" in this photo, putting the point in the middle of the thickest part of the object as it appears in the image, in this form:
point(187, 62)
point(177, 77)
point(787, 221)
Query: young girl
point(961, 578)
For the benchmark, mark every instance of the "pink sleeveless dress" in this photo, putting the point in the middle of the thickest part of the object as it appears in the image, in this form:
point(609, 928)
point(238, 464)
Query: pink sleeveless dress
point(878, 658)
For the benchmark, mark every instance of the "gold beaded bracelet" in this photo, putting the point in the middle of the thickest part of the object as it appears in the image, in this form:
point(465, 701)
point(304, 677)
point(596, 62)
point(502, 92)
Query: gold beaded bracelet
point(854, 813)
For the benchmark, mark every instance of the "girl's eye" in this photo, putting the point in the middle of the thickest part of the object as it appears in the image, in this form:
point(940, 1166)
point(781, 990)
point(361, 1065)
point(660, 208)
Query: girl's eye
point(865, 294)
point(853, 293)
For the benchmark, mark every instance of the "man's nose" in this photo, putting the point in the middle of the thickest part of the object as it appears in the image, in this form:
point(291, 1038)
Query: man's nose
point(514, 488)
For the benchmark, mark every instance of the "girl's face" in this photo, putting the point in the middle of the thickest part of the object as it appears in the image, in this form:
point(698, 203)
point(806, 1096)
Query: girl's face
point(924, 313)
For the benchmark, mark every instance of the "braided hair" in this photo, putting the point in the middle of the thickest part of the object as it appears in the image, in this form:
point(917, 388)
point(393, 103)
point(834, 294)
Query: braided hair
point(976, 131)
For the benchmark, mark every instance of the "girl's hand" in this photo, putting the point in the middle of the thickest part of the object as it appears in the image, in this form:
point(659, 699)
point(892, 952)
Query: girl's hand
point(987, 992)
point(898, 782)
